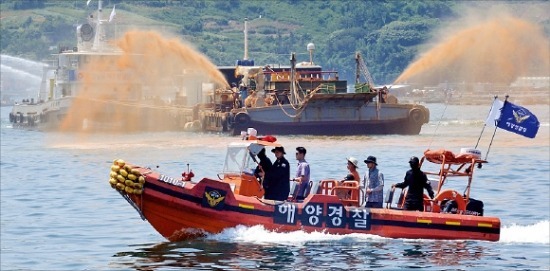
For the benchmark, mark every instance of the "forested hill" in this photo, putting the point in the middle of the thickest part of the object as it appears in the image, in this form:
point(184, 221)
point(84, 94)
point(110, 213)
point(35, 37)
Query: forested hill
point(389, 34)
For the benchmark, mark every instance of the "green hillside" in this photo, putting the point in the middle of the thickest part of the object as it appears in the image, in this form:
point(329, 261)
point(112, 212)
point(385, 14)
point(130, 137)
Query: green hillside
point(389, 34)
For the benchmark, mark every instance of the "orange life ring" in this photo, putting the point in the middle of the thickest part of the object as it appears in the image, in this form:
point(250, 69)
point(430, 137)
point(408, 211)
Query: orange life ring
point(449, 195)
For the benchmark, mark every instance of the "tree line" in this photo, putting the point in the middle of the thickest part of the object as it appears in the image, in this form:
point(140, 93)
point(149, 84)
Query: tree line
point(387, 33)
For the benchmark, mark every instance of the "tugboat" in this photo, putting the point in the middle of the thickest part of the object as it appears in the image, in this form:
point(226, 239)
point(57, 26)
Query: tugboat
point(100, 86)
point(180, 208)
point(63, 77)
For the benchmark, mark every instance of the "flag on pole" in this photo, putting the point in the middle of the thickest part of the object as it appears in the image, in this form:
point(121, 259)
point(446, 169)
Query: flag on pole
point(494, 115)
point(519, 120)
point(88, 2)
point(113, 13)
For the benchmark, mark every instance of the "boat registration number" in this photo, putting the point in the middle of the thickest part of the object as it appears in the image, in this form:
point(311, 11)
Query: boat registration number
point(171, 180)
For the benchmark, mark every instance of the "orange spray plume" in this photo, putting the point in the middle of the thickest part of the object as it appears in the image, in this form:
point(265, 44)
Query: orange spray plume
point(497, 50)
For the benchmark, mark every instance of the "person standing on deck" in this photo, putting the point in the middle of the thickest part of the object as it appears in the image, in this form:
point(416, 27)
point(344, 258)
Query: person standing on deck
point(417, 181)
point(373, 184)
point(277, 184)
point(243, 90)
point(302, 173)
point(264, 166)
point(353, 175)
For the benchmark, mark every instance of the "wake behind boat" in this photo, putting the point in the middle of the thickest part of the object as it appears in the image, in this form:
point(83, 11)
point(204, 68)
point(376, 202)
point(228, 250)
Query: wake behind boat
point(179, 208)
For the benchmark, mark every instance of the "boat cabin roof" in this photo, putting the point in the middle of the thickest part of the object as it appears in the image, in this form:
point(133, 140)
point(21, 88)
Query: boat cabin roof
point(248, 143)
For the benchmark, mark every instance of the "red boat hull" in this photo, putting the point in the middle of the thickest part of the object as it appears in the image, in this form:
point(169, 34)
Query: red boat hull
point(180, 210)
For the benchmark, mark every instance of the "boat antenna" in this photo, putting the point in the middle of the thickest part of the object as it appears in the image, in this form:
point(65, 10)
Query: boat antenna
point(438, 124)
point(485, 124)
point(494, 132)
point(245, 39)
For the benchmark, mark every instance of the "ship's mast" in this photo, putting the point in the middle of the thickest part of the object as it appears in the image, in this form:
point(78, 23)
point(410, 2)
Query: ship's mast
point(245, 39)
point(293, 96)
point(96, 46)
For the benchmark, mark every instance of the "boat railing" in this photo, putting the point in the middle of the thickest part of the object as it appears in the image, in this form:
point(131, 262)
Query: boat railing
point(388, 200)
point(282, 76)
point(296, 188)
point(450, 165)
point(436, 205)
point(348, 192)
point(400, 204)
point(325, 88)
point(326, 186)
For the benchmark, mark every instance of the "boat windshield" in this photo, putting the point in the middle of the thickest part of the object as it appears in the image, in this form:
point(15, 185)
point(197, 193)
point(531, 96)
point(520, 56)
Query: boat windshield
point(238, 160)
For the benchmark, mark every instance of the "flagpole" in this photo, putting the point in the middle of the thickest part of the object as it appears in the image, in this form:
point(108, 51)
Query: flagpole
point(485, 124)
point(496, 126)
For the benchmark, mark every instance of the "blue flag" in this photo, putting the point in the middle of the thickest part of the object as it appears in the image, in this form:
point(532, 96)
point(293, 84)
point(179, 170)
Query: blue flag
point(519, 120)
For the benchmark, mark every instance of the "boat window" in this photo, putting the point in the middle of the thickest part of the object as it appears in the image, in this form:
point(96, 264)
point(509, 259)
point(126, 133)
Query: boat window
point(238, 160)
point(255, 148)
point(73, 62)
point(250, 165)
point(64, 61)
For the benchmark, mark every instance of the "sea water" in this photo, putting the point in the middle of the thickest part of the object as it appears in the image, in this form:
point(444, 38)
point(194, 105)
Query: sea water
point(58, 211)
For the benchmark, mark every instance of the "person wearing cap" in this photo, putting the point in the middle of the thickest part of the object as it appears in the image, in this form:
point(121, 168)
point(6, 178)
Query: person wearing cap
point(302, 173)
point(277, 184)
point(353, 175)
point(417, 181)
point(373, 184)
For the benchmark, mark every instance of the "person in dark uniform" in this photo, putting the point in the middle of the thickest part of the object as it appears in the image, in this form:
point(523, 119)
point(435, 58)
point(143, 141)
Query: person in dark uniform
point(277, 180)
point(417, 181)
point(264, 165)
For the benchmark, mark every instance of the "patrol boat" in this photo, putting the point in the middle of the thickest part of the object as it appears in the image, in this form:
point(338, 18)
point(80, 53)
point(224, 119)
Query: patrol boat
point(179, 208)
